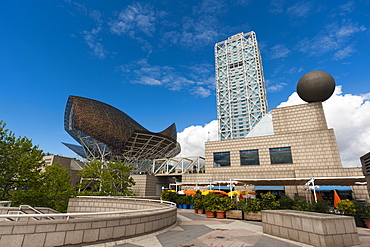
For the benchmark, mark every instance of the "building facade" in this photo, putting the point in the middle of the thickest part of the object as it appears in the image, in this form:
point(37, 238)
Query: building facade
point(365, 162)
point(240, 87)
point(72, 165)
point(301, 146)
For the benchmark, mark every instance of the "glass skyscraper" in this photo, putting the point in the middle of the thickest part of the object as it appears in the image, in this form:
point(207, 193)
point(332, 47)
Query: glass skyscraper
point(240, 86)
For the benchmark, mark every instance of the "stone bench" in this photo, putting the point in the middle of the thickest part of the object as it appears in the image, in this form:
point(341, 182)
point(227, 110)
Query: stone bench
point(327, 230)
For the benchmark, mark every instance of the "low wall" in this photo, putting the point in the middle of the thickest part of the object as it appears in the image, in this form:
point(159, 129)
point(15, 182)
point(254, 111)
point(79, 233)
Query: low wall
point(316, 229)
point(83, 227)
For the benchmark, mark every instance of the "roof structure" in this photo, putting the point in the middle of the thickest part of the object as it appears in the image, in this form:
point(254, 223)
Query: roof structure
point(106, 133)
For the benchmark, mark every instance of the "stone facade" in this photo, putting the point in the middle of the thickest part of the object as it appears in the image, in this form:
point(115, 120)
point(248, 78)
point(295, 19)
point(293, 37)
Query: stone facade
point(87, 228)
point(324, 230)
point(313, 146)
point(72, 165)
point(150, 185)
point(365, 162)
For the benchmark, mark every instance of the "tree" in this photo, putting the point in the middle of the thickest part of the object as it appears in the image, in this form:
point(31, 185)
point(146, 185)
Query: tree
point(56, 189)
point(106, 178)
point(20, 166)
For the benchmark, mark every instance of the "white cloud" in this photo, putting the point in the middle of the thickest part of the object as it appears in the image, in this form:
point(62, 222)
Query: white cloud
point(347, 7)
point(349, 116)
point(276, 87)
point(300, 10)
point(201, 92)
point(333, 37)
point(344, 53)
point(279, 51)
point(295, 70)
point(94, 42)
point(192, 138)
point(200, 28)
point(276, 6)
point(133, 19)
point(198, 79)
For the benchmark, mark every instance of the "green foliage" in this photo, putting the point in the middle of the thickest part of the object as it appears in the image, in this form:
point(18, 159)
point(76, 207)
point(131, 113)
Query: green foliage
point(321, 206)
point(252, 206)
point(362, 210)
point(216, 202)
point(347, 207)
point(182, 199)
point(301, 205)
point(285, 202)
point(198, 200)
point(20, 166)
point(169, 196)
point(56, 188)
point(268, 201)
point(235, 204)
point(106, 178)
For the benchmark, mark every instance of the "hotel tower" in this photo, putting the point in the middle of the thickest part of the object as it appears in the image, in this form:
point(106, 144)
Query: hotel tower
point(240, 86)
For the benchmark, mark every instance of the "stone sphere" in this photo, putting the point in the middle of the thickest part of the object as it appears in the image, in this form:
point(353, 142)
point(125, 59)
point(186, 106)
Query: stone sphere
point(316, 86)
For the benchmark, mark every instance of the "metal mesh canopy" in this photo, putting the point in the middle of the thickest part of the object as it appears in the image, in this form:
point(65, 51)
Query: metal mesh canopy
point(105, 132)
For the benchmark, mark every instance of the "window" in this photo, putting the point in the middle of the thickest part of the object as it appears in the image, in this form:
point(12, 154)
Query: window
point(281, 155)
point(249, 157)
point(221, 159)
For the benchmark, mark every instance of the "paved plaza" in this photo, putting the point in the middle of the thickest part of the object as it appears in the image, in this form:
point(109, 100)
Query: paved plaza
point(195, 230)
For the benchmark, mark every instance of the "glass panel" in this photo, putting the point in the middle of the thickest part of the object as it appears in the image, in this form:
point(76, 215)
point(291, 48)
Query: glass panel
point(249, 157)
point(281, 155)
point(221, 159)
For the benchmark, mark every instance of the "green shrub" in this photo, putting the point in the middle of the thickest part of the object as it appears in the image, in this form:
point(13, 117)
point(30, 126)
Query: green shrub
point(301, 205)
point(268, 201)
point(347, 207)
point(285, 202)
point(321, 206)
point(251, 206)
point(216, 202)
point(362, 210)
point(198, 200)
point(169, 196)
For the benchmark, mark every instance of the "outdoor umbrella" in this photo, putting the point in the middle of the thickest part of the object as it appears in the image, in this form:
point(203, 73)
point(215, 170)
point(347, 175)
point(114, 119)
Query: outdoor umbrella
point(234, 193)
point(204, 193)
point(336, 199)
point(190, 192)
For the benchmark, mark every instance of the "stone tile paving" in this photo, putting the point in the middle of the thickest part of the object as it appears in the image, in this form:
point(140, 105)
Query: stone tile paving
point(198, 231)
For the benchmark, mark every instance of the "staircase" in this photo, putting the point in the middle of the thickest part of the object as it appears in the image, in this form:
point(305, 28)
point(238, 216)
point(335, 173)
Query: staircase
point(26, 209)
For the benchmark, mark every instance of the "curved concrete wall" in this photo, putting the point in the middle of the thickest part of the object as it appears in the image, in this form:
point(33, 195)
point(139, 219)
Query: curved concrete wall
point(93, 228)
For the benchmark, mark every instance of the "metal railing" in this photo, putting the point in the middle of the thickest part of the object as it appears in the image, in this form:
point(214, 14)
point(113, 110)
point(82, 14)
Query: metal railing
point(68, 216)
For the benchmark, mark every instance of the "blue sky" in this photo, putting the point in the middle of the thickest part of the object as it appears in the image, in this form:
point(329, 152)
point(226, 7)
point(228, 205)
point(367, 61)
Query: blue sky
point(154, 60)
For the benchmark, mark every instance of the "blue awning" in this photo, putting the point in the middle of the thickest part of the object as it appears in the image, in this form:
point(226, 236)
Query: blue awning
point(333, 187)
point(268, 187)
point(221, 187)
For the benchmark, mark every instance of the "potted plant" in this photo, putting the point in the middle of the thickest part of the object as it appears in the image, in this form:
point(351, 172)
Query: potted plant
point(181, 200)
point(252, 210)
point(198, 202)
point(188, 202)
point(221, 204)
point(169, 196)
point(209, 205)
point(268, 201)
point(235, 211)
point(347, 207)
point(362, 215)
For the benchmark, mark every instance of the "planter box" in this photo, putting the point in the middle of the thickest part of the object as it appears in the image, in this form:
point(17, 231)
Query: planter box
point(253, 216)
point(317, 229)
point(220, 214)
point(210, 214)
point(234, 214)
